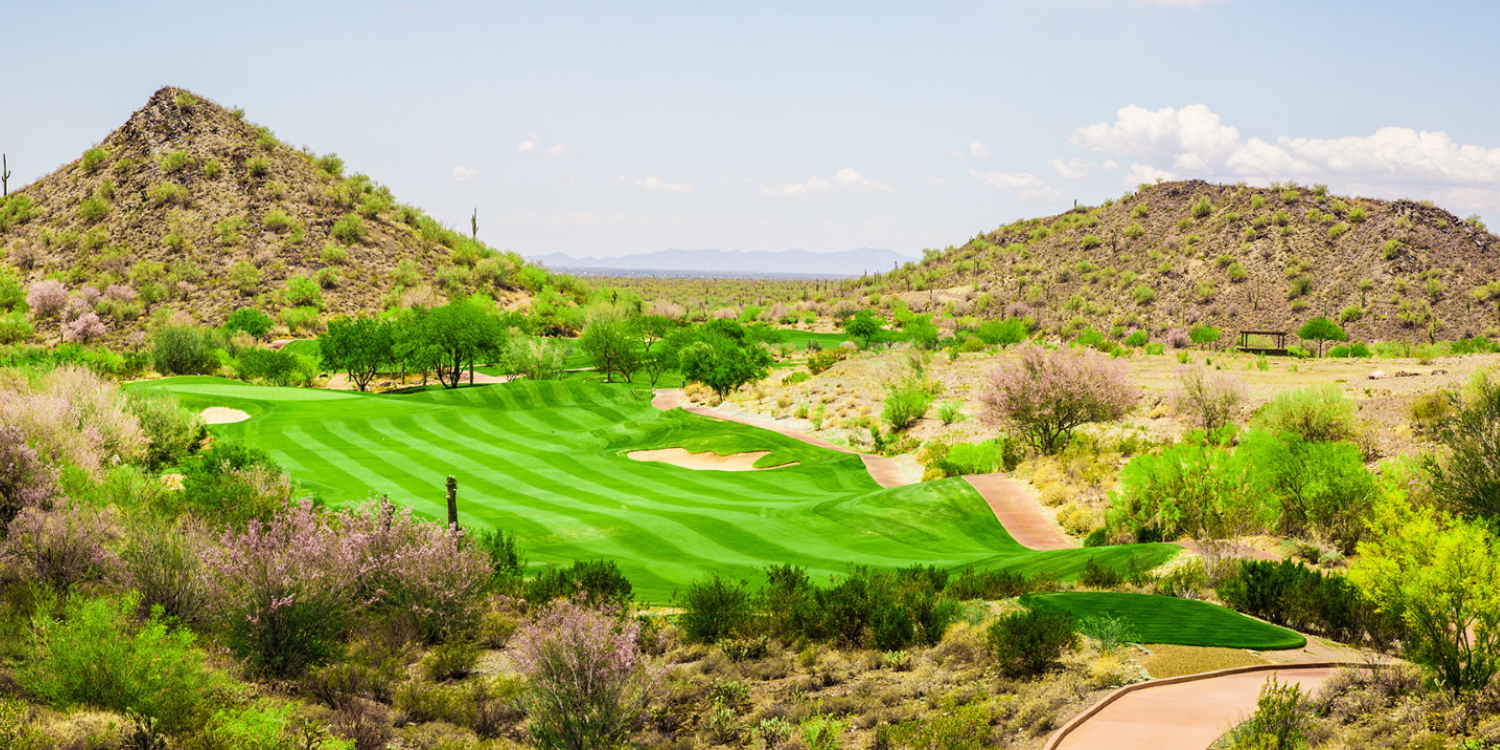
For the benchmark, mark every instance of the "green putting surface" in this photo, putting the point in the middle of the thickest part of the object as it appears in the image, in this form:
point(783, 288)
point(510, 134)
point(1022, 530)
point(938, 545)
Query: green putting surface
point(1166, 619)
point(546, 460)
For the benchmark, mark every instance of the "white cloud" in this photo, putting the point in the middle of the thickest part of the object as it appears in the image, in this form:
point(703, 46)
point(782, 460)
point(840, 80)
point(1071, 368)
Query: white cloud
point(1145, 174)
point(533, 145)
point(1076, 169)
point(1194, 142)
point(464, 174)
point(1027, 187)
point(974, 150)
point(934, 181)
point(657, 185)
point(796, 189)
point(852, 180)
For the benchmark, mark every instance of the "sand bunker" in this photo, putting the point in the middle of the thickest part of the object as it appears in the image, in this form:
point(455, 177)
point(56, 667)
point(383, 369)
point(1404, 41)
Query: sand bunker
point(223, 415)
point(705, 461)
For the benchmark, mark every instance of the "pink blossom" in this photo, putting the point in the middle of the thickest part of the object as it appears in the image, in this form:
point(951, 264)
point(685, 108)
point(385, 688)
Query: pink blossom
point(63, 547)
point(119, 293)
point(47, 298)
point(1045, 395)
point(85, 329)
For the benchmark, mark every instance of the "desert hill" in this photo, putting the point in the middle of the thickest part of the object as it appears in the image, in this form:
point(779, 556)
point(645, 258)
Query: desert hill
point(1180, 254)
point(189, 208)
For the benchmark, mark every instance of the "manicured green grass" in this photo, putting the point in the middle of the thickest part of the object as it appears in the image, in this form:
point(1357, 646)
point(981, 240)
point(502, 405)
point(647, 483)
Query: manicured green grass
point(546, 461)
point(1166, 619)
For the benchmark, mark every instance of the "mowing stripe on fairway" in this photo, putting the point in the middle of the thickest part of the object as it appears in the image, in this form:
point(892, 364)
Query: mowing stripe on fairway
point(1167, 619)
point(547, 462)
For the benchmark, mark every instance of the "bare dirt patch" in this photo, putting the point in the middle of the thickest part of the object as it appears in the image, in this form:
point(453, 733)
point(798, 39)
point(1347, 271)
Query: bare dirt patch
point(705, 461)
point(223, 415)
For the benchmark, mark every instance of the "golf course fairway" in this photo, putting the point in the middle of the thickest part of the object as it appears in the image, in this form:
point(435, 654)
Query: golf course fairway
point(546, 461)
point(1169, 620)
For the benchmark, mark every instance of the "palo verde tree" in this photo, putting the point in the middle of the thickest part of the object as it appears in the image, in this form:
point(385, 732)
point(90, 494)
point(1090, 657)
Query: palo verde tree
point(612, 346)
point(722, 355)
point(865, 326)
point(358, 346)
point(1045, 395)
point(1321, 330)
point(1437, 574)
point(1468, 480)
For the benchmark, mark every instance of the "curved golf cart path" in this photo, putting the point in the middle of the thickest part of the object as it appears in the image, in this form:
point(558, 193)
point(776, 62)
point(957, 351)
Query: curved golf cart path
point(1181, 713)
point(1013, 506)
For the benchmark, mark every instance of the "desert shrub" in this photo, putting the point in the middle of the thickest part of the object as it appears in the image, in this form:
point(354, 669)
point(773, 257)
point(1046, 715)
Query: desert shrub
point(333, 254)
point(992, 584)
point(62, 547)
point(796, 377)
point(451, 661)
point(1099, 576)
point(249, 320)
point(500, 549)
point(414, 569)
point(1109, 632)
point(25, 481)
point(1287, 593)
point(184, 350)
point(1003, 332)
point(964, 459)
point(212, 169)
point(93, 159)
point(301, 319)
point(302, 291)
point(819, 363)
point(275, 367)
point(14, 327)
point(56, 407)
point(1317, 486)
point(905, 405)
point(1282, 718)
point(257, 166)
point(1045, 395)
point(1143, 295)
point(1137, 338)
point(96, 655)
point(172, 432)
point(591, 582)
point(1194, 488)
point(176, 161)
point(1205, 400)
point(1316, 413)
point(283, 590)
point(714, 608)
point(1031, 642)
point(162, 561)
point(587, 681)
point(244, 276)
point(1467, 481)
point(93, 209)
point(349, 230)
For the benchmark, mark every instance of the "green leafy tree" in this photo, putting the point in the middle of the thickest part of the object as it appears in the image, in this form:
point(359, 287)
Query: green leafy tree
point(612, 345)
point(1437, 574)
point(865, 326)
point(450, 338)
point(358, 346)
point(719, 355)
point(1468, 480)
point(1321, 330)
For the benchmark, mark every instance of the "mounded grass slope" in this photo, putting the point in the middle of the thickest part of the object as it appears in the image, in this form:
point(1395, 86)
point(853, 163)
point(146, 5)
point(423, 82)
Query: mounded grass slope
point(546, 461)
point(1166, 619)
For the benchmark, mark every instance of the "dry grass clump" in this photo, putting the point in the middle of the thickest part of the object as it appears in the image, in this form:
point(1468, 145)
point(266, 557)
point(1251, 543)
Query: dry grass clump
point(1175, 661)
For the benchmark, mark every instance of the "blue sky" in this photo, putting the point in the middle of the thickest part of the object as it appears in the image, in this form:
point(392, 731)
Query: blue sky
point(615, 128)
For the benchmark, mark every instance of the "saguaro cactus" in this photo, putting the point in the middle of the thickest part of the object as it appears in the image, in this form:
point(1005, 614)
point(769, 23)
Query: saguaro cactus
point(4, 176)
point(452, 502)
point(474, 226)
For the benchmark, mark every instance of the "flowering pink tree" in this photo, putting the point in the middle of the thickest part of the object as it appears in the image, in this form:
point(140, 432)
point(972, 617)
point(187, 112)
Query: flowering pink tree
point(84, 329)
point(25, 482)
point(587, 680)
point(284, 589)
point(1044, 395)
point(64, 546)
point(419, 569)
point(47, 298)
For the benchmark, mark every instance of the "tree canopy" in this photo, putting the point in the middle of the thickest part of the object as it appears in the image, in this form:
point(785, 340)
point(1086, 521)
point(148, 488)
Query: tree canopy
point(1321, 330)
point(865, 326)
point(721, 355)
point(358, 346)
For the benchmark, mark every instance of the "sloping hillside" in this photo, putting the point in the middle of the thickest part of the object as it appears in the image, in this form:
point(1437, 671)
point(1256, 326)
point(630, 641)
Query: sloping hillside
point(1179, 254)
point(190, 208)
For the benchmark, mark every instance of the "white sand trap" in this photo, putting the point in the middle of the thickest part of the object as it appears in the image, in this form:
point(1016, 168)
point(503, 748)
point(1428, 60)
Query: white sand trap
point(705, 461)
point(223, 415)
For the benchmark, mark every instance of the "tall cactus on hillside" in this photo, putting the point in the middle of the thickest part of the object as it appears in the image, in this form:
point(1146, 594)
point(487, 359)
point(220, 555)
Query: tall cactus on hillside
point(4, 176)
point(474, 226)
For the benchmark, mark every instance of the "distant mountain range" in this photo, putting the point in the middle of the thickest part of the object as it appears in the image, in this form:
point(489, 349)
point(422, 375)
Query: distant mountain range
point(733, 263)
